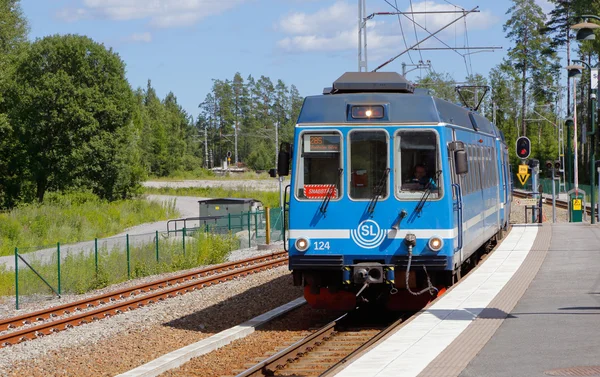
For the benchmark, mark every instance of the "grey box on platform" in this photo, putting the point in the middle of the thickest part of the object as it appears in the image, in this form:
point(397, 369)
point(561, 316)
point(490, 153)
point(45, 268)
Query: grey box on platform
point(225, 206)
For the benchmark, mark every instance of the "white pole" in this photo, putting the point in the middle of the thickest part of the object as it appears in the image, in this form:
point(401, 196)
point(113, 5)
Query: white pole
point(575, 136)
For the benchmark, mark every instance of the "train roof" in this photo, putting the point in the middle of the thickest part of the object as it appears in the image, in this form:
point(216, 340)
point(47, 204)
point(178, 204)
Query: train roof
point(402, 102)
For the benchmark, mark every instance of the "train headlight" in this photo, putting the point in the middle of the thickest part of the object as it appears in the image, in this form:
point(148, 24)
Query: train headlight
point(302, 244)
point(435, 243)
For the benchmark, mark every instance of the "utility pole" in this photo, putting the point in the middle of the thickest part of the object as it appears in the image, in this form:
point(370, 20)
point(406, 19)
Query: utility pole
point(235, 139)
point(276, 143)
point(362, 36)
point(205, 146)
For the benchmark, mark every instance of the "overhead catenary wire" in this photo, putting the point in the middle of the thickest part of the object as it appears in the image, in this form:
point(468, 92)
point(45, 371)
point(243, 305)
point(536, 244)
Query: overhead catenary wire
point(422, 27)
point(414, 26)
point(402, 31)
point(467, 55)
point(425, 39)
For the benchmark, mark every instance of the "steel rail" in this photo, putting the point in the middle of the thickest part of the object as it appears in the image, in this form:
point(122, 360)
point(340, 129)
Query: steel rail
point(186, 283)
point(281, 358)
point(288, 355)
point(42, 315)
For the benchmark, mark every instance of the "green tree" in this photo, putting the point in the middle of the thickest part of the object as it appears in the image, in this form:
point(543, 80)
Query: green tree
point(440, 85)
point(13, 37)
point(13, 26)
point(530, 54)
point(70, 107)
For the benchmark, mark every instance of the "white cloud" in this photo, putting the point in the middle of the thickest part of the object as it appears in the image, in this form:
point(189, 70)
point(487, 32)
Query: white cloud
point(340, 15)
point(335, 28)
point(145, 37)
point(161, 13)
point(432, 22)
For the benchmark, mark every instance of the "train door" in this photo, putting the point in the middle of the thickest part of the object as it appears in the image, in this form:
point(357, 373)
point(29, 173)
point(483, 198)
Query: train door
point(457, 204)
point(507, 188)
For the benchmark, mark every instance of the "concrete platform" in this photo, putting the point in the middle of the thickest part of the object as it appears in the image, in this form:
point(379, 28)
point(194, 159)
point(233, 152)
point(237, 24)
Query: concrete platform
point(556, 324)
point(531, 309)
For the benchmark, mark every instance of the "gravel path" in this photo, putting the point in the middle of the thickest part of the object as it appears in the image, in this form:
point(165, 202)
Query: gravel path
point(186, 205)
point(260, 185)
point(128, 340)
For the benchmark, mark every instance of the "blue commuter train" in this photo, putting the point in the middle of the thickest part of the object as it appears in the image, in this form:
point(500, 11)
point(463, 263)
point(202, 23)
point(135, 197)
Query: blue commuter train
point(392, 191)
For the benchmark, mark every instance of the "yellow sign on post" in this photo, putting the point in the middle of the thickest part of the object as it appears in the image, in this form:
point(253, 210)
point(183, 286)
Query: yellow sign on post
point(523, 169)
point(523, 178)
point(577, 204)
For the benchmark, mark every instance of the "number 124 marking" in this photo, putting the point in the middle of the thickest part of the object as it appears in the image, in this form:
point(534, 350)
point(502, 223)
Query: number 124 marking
point(321, 245)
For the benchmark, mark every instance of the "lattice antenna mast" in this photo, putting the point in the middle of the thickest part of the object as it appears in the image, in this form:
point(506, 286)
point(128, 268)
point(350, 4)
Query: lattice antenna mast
point(362, 36)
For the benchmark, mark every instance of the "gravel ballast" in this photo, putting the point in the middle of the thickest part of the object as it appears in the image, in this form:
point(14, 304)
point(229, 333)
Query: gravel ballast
point(128, 340)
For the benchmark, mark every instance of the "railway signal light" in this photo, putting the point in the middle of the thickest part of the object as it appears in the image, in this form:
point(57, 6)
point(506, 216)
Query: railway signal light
point(523, 147)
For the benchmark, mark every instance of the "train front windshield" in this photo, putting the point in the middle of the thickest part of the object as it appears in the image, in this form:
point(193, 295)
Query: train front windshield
point(418, 164)
point(319, 170)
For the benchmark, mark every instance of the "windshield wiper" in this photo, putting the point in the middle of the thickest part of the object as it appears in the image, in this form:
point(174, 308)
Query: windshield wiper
point(330, 192)
point(428, 188)
point(378, 191)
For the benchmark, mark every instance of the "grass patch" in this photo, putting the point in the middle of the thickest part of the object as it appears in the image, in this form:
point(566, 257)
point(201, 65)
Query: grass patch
point(79, 273)
point(268, 198)
point(74, 217)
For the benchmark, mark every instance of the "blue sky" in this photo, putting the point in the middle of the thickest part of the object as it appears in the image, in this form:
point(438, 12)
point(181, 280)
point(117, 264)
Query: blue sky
point(181, 45)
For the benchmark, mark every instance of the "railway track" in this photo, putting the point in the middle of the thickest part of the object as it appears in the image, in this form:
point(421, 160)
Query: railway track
point(94, 308)
point(326, 350)
point(559, 203)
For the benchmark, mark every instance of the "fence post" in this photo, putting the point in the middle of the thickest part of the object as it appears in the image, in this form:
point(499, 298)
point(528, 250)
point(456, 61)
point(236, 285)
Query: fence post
point(96, 254)
point(249, 231)
point(128, 264)
point(58, 252)
point(17, 278)
point(183, 232)
point(268, 228)
point(157, 257)
point(256, 226)
point(229, 221)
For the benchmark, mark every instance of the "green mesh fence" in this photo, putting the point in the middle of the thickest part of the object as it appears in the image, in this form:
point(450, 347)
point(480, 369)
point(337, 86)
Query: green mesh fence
point(96, 264)
point(91, 265)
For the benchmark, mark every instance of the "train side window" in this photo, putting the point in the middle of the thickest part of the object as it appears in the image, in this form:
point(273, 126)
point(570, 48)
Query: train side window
point(417, 164)
point(479, 167)
point(484, 168)
point(318, 173)
point(471, 170)
point(368, 163)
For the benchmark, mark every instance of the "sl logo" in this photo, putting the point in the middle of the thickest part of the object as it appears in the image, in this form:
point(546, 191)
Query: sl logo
point(368, 235)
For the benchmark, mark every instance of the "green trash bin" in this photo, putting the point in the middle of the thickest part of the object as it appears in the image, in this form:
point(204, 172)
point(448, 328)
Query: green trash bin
point(576, 205)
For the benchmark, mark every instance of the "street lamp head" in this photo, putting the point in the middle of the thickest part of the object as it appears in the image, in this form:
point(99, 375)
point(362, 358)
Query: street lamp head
point(574, 70)
point(585, 31)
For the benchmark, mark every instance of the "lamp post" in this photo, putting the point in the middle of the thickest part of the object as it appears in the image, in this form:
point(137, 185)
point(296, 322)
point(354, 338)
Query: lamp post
point(585, 31)
point(574, 72)
point(592, 133)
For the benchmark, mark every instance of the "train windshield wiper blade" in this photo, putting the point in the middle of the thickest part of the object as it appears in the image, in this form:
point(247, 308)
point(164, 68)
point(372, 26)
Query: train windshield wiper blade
point(378, 190)
point(330, 191)
point(430, 185)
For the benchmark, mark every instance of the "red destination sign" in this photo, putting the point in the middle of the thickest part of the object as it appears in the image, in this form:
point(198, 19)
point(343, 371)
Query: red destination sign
point(319, 191)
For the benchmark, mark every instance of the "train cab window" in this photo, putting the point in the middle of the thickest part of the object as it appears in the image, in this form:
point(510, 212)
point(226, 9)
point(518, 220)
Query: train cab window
point(319, 167)
point(368, 164)
point(418, 165)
